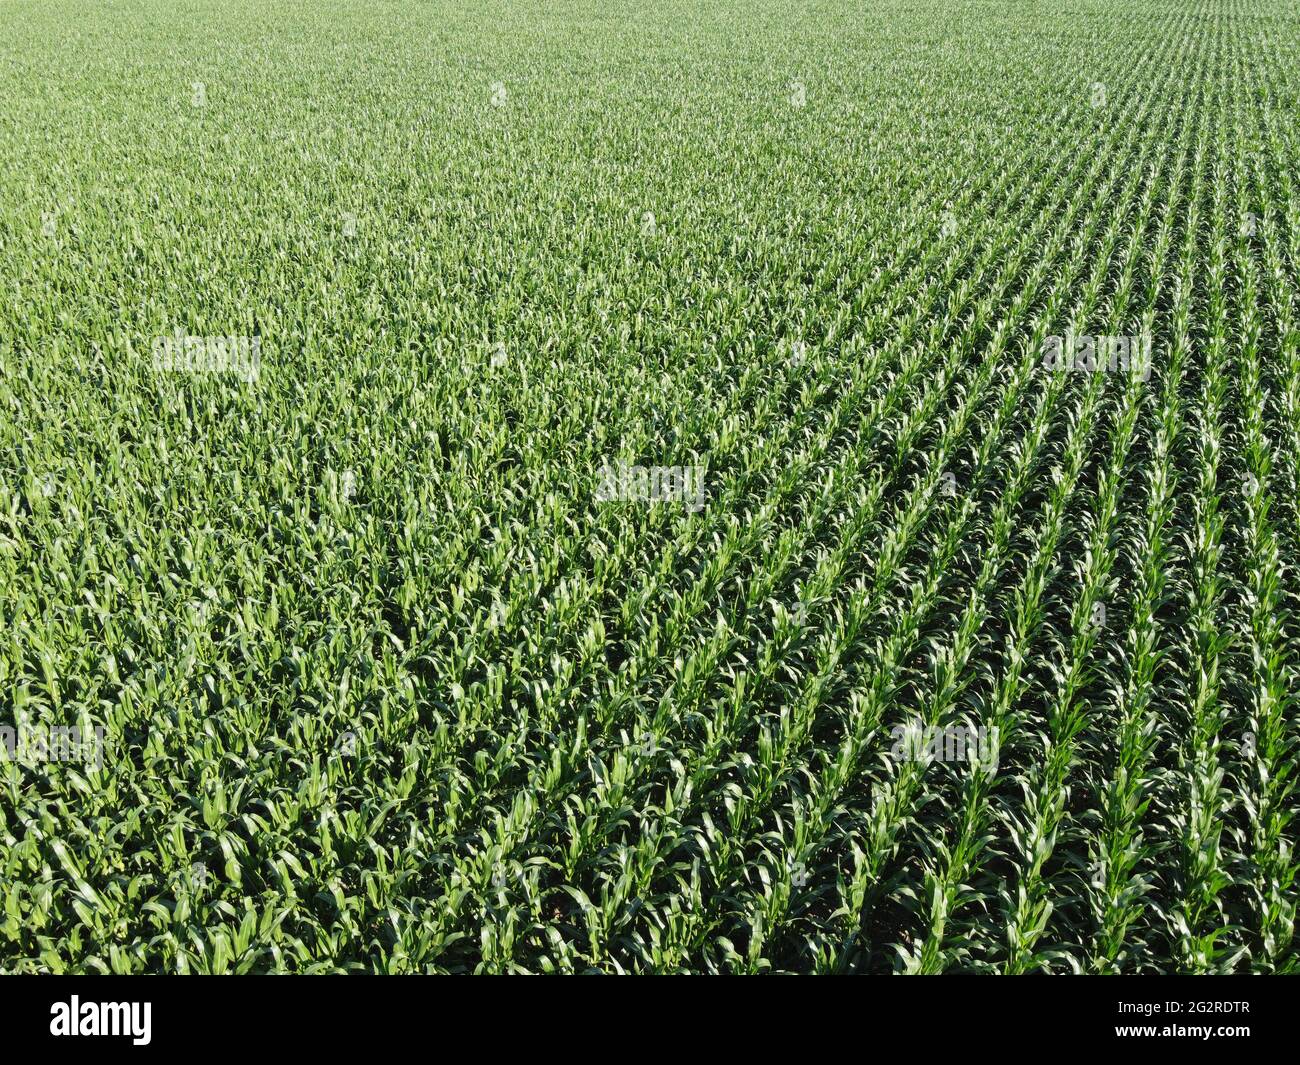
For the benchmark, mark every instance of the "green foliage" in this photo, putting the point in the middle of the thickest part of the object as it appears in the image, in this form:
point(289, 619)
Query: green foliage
point(386, 684)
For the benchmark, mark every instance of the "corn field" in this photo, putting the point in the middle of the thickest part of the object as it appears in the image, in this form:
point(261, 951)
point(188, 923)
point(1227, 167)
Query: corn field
point(649, 487)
